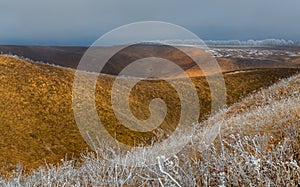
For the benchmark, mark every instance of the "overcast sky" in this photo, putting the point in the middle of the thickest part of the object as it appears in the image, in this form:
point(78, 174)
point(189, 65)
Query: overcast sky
point(81, 22)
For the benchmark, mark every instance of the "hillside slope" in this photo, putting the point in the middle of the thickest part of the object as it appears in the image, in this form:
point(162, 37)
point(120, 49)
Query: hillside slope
point(36, 115)
point(258, 145)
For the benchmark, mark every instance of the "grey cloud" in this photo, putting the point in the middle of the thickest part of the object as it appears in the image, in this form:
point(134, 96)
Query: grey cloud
point(77, 22)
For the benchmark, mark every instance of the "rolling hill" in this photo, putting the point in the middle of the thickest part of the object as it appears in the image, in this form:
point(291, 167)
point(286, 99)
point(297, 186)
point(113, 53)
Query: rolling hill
point(229, 58)
point(36, 117)
point(258, 142)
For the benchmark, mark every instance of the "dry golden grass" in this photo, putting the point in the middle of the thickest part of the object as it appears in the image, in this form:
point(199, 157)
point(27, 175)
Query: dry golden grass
point(246, 152)
point(36, 109)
